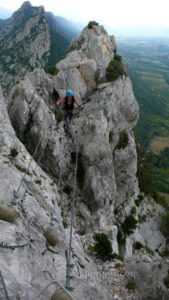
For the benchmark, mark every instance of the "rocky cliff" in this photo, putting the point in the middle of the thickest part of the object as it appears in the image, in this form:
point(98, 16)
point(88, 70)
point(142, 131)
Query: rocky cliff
point(35, 220)
point(31, 38)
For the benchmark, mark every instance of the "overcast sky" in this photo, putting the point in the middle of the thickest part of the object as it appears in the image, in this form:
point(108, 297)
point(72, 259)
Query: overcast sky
point(111, 12)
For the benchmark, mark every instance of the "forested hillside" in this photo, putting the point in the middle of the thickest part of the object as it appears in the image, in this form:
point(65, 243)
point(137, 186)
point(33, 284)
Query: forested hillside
point(147, 62)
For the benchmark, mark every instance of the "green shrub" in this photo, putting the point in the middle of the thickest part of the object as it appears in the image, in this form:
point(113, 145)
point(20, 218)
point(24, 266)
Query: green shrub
point(165, 253)
point(114, 70)
point(129, 225)
point(80, 172)
point(52, 70)
point(118, 58)
point(165, 224)
point(120, 238)
point(65, 223)
point(58, 114)
point(67, 189)
point(139, 200)
point(13, 152)
point(91, 24)
point(133, 210)
point(138, 245)
point(102, 246)
point(123, 140)
point(148, 250)
point(166, 280)
point(161, 200)
point(127, 228)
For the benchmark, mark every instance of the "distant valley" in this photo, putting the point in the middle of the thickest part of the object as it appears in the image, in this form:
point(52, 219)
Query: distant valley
point(147, 63)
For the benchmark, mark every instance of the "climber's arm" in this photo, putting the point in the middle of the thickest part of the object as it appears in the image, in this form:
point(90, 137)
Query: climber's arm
point(61, 100)
point(77, 102)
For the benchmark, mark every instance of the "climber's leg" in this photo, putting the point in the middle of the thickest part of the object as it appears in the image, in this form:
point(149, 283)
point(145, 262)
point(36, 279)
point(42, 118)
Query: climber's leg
point(66, 115)
point(70, 115)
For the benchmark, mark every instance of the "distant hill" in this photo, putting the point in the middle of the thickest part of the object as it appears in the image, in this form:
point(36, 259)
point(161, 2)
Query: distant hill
point(29, 39)
point(2, 23)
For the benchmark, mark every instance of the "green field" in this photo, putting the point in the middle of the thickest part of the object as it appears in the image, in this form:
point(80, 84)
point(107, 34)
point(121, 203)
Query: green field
point(147, 63)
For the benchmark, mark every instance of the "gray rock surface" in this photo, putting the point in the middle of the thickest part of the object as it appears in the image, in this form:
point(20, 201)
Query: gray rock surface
point(148, 276)
point(107, 186)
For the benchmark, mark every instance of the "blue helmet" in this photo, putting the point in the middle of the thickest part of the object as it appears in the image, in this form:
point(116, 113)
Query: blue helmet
point(69, 93)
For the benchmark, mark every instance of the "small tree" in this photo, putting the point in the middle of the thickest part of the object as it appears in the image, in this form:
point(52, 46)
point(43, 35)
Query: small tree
point(123, 140)
point(92, 23)
point(52, 70)
point(13, 152)
point(58, 114)
point(129, 225)
point(115, 69)
point(118, 57)
point(102, 246)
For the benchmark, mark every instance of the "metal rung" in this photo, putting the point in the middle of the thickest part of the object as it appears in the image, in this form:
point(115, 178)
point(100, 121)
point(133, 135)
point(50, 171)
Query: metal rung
point(70, 276)
point(70, 265)
point(70, 288)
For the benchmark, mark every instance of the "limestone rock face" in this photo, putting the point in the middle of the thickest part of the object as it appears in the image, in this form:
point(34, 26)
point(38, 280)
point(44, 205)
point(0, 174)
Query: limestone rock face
point(90, 54)
point(36, 202)
point(35, 123)
point(150, 219)
point(110, 111)
point(148, 276)
point(107, 192)
point(95, 44)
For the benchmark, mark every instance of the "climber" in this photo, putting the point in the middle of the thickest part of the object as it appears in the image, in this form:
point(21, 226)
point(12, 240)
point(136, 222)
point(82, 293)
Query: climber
point(68, 102)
